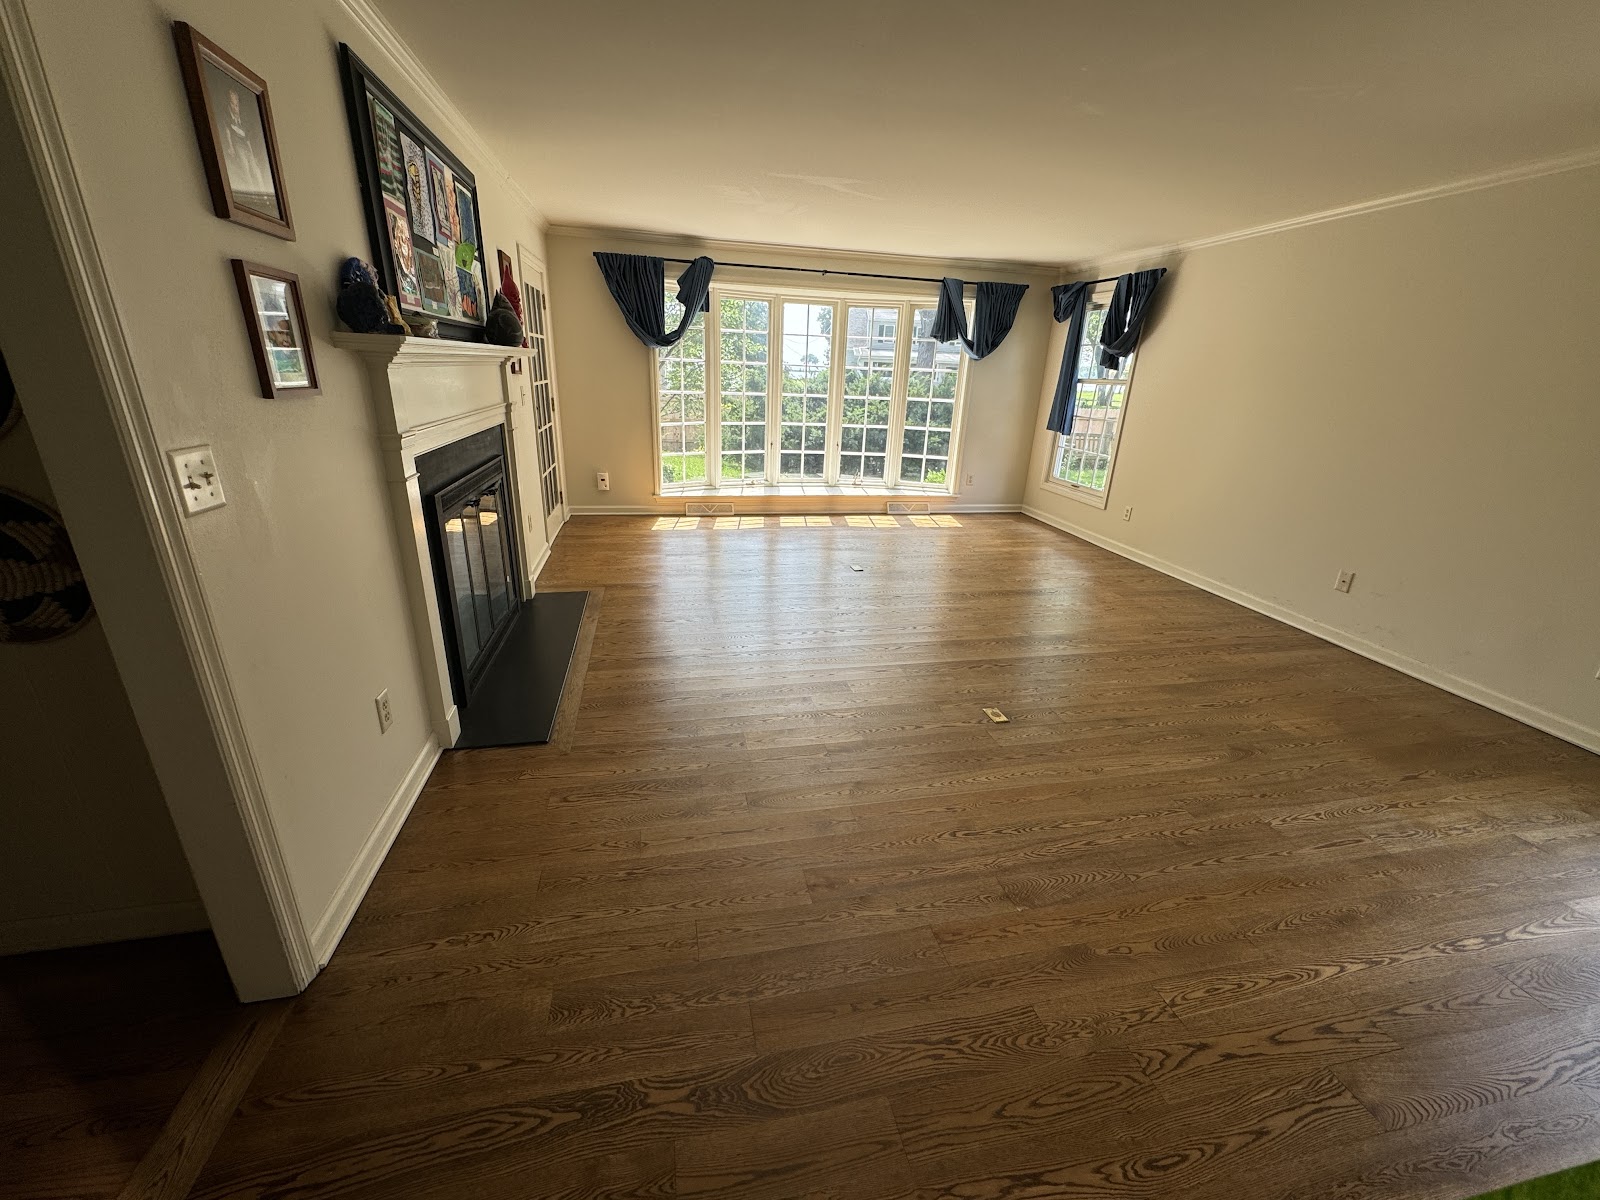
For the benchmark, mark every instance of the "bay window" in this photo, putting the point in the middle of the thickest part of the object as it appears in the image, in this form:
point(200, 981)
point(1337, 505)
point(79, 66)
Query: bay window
point(807, 387)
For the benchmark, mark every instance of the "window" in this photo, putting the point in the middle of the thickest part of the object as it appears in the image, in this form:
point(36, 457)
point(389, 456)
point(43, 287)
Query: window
point(1082, 460)
point(743, 381)
point(808, 387)
point(681, 401)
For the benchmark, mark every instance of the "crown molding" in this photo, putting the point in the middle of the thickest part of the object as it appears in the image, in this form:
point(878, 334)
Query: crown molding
point(720, 248)
point(376, 26)
point(1538, 169)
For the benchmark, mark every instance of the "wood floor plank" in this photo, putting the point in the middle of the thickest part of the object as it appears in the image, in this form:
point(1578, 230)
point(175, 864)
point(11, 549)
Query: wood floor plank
point(1223, 912)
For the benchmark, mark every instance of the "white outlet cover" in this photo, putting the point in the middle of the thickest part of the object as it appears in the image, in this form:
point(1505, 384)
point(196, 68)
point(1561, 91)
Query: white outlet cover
point(194, 470)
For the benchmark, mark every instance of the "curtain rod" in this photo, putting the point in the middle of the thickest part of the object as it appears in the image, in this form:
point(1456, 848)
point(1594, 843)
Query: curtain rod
point(855, 274)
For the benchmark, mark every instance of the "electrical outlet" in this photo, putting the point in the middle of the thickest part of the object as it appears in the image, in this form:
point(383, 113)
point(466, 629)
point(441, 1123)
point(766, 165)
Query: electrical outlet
point(195, 471)
point(1343, 582)
point(1127, 513)
point(602, 480)
point(385, 713)
point(969, 480)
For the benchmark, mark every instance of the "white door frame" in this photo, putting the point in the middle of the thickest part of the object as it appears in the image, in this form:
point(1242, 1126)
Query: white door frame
point(532, 270)
point(108, 472)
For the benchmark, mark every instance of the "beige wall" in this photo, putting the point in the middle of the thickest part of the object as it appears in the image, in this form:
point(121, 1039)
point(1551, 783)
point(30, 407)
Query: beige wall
point(1411, 395)
point(605, 382)
point(87, 849)
point(301, 569)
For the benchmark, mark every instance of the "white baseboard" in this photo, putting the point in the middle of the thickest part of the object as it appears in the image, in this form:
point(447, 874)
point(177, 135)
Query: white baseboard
point(536, 566)
point(1509, 706)
point(983, 508)
point(347, 897)
point(93, 928)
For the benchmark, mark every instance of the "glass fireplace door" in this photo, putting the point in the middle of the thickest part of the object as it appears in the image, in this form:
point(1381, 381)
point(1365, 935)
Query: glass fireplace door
point(480, 575)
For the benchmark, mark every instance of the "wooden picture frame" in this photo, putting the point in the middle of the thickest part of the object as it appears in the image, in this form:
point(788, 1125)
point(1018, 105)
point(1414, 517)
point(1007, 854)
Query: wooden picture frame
point(421, 204)
point(280, 339)
point(238, 140)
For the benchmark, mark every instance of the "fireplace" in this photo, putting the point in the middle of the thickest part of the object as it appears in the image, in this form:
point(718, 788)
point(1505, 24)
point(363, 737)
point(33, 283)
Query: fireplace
point(472, 541)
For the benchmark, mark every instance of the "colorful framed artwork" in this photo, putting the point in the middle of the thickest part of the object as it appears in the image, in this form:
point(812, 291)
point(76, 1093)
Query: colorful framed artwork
point(238, 141)
point(386, 146)
point(418, 206)
point(471, 297)
point(280, 339)
point(422, 208)
point(405, 258)
point(435, 295)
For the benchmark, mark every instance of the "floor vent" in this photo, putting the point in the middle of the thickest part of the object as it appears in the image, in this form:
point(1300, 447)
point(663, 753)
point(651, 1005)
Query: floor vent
point(904, 507)
point(720, 508)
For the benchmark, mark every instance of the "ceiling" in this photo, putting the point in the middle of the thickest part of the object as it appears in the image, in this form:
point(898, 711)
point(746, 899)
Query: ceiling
point(1053, 131)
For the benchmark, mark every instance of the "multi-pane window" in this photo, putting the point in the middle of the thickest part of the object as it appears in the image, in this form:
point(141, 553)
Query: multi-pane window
point(742, 379)
point(930, 404)
point(808, 387)
point(681, 401)
point(1083, 459)
point(807, 378)
point(870, 354)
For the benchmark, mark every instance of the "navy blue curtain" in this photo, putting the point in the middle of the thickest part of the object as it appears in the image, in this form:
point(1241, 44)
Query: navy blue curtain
point(994, 311)
point(638, 284)
point(1071, 303)
point(1130, 302)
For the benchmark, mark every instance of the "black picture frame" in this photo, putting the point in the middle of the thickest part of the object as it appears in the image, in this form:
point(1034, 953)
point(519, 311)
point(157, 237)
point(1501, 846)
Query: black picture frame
point(417, 290)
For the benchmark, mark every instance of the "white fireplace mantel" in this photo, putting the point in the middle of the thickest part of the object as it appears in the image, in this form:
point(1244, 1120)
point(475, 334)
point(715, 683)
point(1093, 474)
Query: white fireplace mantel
point(427, 393)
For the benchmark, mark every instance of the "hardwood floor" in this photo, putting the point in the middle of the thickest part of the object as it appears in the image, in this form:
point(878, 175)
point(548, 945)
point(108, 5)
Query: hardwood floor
point(97, 1048)
point(1223, 911)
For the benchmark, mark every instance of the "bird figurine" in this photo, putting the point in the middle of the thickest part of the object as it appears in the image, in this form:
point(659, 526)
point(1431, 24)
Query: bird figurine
point(502, 327)
point(361, 303)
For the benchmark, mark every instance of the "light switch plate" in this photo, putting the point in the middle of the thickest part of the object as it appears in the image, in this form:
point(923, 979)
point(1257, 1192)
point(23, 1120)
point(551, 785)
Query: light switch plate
point(195, 471)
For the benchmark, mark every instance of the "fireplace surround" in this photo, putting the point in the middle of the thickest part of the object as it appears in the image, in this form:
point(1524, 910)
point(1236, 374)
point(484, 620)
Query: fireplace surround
point(426, 395)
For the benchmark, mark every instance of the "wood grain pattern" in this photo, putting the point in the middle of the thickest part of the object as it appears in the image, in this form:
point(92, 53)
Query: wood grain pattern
point(1223, 912)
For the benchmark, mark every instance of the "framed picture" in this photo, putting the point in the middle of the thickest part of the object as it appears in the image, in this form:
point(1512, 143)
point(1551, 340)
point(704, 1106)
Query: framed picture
point(275, 316)
point(422, 208)
point(238, 142)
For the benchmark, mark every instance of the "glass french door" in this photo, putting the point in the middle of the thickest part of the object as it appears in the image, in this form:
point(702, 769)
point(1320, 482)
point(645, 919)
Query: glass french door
point(546, 434)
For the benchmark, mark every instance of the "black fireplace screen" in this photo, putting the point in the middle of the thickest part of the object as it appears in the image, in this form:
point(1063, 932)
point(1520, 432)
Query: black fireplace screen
point(478, 571)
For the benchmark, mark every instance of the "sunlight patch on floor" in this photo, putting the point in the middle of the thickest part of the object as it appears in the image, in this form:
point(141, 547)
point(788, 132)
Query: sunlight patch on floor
point(854, 521)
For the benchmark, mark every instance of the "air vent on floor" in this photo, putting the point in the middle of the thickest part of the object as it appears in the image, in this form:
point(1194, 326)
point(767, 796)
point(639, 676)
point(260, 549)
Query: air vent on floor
point(720, 508)
point(902, 507)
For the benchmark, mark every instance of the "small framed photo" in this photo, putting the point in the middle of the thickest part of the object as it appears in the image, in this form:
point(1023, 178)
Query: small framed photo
point(238, 142)
point(276, 318)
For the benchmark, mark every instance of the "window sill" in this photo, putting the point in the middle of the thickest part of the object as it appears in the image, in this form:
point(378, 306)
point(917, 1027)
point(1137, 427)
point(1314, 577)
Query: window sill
point(1082, 495)
point(876, 491)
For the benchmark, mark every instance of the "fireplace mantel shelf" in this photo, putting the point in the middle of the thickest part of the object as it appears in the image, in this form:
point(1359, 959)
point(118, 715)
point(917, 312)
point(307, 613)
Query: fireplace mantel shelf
point(393, 350)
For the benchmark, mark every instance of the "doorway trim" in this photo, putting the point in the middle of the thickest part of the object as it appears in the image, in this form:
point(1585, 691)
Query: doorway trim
point(236, 856)
point(527, 262)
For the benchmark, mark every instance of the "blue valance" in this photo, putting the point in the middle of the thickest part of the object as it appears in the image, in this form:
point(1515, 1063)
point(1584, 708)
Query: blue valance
point(638, 283)
point(994, 311)
point(1071, 302)
point(1130, 302)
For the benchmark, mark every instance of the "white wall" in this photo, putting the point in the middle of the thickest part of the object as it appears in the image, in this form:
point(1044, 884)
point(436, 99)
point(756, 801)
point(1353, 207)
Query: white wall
point(301, 570)
point(1412, 394)
point(605, 381)
point(87, 848)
